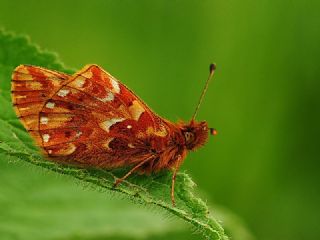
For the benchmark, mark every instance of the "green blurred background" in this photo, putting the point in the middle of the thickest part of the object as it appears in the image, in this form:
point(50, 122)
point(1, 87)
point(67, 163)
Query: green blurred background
point(264, 163)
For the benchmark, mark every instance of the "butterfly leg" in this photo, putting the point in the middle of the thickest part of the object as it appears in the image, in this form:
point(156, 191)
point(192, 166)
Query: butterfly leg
point(174, 178)
point(172, 186)
point(119, 180)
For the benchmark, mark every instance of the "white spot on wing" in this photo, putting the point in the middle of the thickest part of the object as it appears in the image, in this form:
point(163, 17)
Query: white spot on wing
point(115, 85)
point(162, 132)
point(34, 85)
point(108, 123)
point(50, 105)
point(22, 69)
point(136, 110)
point(46, 137)
point(87, 74)
point(130, 145)
point(63, 92)
point(129, 126)
point(23, 109)
point(107, 142)
point(108, 98)
point(80, 81)
point(78, 134)
point(44, 120)
point(21, 96)
point(70, 148)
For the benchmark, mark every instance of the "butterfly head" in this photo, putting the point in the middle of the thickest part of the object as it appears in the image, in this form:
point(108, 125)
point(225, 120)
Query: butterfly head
point(196, 134)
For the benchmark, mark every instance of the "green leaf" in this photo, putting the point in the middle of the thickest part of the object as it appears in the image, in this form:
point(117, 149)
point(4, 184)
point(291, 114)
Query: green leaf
point(149, 191)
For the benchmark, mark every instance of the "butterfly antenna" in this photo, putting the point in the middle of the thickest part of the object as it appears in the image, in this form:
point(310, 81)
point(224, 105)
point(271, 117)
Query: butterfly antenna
point(212, 69)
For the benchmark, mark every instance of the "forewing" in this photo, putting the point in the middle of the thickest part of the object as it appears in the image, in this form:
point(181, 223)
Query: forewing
point(93, 119)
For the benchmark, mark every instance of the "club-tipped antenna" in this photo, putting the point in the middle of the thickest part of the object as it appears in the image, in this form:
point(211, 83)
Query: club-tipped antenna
point(211, 68)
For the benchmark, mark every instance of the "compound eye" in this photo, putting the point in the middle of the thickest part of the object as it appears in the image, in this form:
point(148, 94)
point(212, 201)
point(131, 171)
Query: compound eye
point(189, 136)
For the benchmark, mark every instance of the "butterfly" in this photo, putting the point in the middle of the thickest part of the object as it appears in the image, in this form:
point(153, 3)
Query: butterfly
point(91, 119)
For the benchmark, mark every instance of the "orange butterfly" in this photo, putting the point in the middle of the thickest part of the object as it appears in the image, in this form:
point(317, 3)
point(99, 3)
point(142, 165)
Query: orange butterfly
point(91, 119)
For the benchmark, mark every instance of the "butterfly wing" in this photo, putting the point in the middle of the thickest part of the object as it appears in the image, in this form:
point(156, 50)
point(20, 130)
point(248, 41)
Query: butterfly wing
point(31, 86)
point(93, 119)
